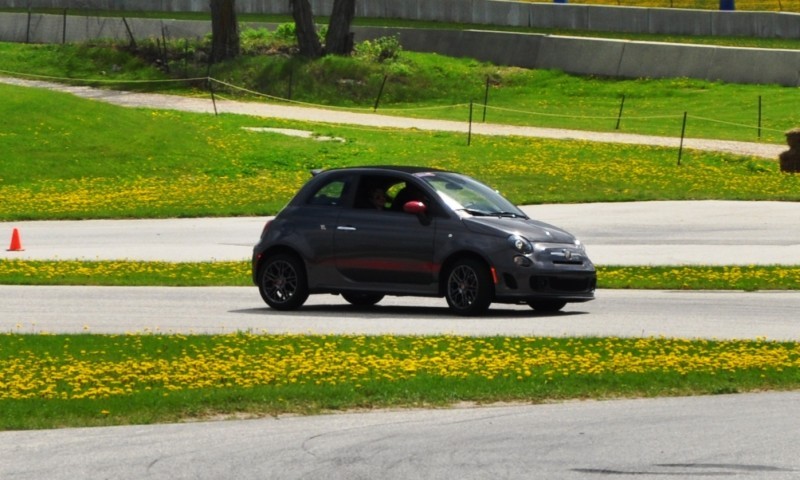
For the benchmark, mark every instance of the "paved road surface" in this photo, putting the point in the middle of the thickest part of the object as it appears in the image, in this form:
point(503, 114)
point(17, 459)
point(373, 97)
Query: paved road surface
point(639, 233)
point(624, 313)
point(752, 437)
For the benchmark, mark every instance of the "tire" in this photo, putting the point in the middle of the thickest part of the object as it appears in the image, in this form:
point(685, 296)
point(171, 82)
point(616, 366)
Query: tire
point(363, 299)
point(468, 288)
point(547, 306)
point(282, 282)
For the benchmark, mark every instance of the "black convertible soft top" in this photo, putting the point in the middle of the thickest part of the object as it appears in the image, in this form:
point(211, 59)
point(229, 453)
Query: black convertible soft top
point(382, 168)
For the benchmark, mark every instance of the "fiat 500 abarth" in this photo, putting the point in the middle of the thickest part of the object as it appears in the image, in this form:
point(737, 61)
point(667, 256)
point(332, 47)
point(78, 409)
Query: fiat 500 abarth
point(367, 232)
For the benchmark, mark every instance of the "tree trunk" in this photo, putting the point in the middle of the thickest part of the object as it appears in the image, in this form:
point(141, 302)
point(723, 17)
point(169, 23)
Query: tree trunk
point(224, 30)
point(339, 40)
point(306, 33)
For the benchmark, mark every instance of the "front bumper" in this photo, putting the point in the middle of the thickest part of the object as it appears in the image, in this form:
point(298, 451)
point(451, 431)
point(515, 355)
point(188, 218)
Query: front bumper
point(551, 271)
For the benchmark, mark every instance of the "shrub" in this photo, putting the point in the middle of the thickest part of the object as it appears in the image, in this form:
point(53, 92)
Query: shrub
point(379, 50)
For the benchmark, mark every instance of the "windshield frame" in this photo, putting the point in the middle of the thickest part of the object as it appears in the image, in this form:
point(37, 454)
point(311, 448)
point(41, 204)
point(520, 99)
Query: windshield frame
point(462, 193)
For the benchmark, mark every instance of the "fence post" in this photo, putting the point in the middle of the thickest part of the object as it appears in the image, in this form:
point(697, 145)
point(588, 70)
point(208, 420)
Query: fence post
point(759, 117)
point(485, 98)
point(28, 29)
point(619, 116)
point(380, 92)
point(213, 98)
point(130, 33)
point(469, 132)
point(683, 133)
point(64, 28)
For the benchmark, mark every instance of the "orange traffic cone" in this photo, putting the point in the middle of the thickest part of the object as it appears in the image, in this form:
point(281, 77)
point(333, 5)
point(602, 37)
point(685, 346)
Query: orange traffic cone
point(16, 244)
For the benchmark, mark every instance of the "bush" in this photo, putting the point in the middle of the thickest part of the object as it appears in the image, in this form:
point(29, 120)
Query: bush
point(286, 32)
point(379, 50)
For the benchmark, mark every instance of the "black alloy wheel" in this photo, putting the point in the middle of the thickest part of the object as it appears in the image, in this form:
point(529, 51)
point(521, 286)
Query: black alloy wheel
point(283, 283)
point(469, 287)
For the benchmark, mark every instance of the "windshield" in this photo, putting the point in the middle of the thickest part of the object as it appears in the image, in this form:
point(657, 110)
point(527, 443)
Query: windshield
point(460, 192)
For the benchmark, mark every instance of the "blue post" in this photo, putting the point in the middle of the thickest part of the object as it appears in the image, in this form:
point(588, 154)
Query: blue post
point(559, 1)
point(727, 4)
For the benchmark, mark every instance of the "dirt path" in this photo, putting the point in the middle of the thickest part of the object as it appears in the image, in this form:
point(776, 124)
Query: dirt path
point(314, 114)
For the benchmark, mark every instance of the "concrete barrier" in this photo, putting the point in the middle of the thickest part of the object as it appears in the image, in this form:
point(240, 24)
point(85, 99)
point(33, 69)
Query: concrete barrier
point(492, 12)
point(750, 65)
point(578, 55)
point(572, 17)
point(518, 50)
point(618, 19)
point(54, 28)
point(653, 60)
point(680, 22)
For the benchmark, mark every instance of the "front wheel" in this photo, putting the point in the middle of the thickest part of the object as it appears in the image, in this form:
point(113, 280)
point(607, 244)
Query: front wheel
point(547, 306)
point(282, 283)
point(469, 287)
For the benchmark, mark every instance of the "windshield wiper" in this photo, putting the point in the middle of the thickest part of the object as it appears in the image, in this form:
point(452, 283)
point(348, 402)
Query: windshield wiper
point(484, 213)
point(476, 213)
point(508, 214)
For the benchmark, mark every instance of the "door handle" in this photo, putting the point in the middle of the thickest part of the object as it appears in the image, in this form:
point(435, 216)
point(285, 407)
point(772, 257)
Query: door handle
point(346, 228)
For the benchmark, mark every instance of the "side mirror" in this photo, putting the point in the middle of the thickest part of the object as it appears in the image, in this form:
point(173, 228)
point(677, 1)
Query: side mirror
point(415, 207)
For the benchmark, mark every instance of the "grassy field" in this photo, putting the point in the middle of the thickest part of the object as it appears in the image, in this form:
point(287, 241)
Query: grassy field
point(65, 157)
point(79, 380)
point(431, 86)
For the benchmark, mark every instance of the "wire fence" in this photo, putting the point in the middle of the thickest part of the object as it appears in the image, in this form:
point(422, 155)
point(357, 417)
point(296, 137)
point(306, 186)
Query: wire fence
point(465, 112)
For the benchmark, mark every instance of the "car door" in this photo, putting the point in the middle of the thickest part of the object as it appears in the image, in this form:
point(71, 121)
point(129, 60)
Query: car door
point(385, 249)
point(313, 225)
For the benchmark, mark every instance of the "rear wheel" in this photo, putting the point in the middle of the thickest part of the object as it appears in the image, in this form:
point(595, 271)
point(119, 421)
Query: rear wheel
point(363, 299)
point(547, 306)
point(469, 287)
point(282, 283)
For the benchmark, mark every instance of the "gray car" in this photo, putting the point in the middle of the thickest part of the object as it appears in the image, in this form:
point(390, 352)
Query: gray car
point(367, 232)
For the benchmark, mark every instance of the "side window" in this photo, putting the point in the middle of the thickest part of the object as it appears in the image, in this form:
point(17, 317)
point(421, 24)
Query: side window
point(375, 192)
point(331, 194)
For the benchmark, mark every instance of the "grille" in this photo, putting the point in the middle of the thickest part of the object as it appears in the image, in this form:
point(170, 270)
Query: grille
point(547, 283)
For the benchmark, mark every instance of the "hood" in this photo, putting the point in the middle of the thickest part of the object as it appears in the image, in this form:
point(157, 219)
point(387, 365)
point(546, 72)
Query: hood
point(533, 230)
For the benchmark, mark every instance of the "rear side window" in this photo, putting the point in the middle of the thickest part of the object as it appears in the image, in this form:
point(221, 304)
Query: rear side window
point(330, 194)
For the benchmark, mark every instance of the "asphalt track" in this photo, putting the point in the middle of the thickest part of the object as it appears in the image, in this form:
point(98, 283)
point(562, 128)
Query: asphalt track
point(752, 437)
point(638, 233)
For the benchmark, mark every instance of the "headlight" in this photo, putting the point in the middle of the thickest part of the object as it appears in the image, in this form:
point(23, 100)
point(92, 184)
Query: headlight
point(520, 244)
point(579, 245)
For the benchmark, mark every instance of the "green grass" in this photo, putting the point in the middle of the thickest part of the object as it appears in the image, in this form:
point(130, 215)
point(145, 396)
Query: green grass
point(77, 380)
point(431, 86)
point(66, 157)
point(124, 273)
point(237, 274)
